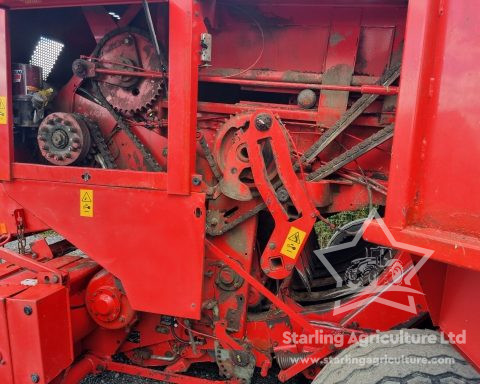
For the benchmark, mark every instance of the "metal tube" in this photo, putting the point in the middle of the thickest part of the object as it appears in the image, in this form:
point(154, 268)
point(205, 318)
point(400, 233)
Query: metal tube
point(151, 27)
point(367, 89)
point(364, 89)
point(79, 370)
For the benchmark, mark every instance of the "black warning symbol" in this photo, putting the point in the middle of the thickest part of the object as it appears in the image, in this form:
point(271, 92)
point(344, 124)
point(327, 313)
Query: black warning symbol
point(295, 238)
point(86, 198)
point(293, 242)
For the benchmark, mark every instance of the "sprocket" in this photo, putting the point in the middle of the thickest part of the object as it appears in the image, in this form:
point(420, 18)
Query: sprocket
point(231, 155)
point(127, 49)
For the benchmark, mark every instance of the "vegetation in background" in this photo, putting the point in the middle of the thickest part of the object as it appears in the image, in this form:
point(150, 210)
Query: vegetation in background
point(324, 232)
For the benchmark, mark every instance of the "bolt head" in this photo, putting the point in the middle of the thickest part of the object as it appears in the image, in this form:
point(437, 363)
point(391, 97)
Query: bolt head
point(27, 310)
point(60, 138)
point(35, 378)
point(282, 195)
point(263, 122)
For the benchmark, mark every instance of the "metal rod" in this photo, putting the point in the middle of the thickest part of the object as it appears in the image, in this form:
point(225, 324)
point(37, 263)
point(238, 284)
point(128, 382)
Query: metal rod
point(290, 312)
point(364, 89)
point(168, 377)
point(151, 27)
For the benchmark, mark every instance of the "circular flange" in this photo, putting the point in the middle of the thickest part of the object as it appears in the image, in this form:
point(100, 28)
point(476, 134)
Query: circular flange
point(63, 138)
point(106, 302)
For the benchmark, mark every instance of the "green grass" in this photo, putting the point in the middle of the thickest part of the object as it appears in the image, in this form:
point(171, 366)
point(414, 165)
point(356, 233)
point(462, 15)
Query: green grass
point(324, 232)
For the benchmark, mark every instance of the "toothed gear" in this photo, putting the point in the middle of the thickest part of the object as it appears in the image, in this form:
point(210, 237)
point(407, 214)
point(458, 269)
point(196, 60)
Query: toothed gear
point(124, 49)
point(64, 138)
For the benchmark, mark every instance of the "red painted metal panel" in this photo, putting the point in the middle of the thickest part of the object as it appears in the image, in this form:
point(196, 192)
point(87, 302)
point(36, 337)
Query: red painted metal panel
point(40, 333)
point(91, 176)
point(153, 242)
point(184, 59)
point(99, 21)
point(6, 133)
point(6, 370)
point(458, 315)
point(436, 150)
point(19, 4)
point(339, 63)
point(432, 188)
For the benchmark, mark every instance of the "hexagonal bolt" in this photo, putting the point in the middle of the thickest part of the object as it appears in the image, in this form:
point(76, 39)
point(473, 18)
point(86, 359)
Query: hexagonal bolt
point(282, 195)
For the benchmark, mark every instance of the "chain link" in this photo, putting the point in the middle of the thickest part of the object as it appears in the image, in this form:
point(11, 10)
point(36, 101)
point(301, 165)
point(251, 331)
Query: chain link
point(21, 240)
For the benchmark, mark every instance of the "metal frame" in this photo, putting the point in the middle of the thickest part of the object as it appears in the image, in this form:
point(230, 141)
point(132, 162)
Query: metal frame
point(176, 194)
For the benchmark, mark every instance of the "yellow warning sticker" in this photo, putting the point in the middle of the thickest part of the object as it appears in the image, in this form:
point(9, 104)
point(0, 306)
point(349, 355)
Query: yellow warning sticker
point(3, 110)
point(86, 202)
point(293, 242)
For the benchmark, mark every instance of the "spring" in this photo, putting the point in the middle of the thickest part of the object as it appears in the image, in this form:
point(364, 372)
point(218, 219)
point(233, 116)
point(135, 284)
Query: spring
point(286, 359)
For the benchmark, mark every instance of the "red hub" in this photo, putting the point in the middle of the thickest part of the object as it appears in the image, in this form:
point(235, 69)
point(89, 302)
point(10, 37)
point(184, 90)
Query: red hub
point(106, 302)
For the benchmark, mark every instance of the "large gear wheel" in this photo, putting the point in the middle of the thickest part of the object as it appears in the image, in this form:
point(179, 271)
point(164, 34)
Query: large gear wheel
point(127, 49)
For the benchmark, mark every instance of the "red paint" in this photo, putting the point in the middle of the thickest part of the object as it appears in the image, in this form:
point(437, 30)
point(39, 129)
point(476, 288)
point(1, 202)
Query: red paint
point(153, 280)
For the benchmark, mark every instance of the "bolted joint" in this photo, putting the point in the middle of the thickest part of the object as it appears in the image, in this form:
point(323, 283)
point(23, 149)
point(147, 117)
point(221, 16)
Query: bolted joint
point(83, 69)
point(196, 180)
point(35, 378)
point(263, 122)
point(282, 195)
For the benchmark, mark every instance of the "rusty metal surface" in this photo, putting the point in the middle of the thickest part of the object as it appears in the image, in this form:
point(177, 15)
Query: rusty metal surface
point(123, 49)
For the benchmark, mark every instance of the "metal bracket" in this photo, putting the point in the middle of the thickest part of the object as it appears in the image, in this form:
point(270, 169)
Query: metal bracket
point(46, 274)
point(288, 194)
